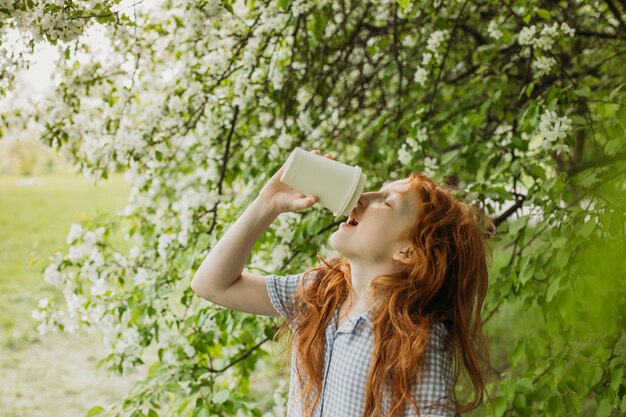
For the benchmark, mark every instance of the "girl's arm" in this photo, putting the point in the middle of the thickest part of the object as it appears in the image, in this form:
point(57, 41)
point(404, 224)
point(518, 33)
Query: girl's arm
point(220, 278)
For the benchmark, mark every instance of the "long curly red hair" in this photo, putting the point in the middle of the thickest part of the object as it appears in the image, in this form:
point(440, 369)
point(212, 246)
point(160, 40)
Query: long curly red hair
point(446, 280)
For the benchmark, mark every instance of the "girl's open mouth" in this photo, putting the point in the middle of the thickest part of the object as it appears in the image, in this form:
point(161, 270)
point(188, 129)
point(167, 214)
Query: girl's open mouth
point(349, 223)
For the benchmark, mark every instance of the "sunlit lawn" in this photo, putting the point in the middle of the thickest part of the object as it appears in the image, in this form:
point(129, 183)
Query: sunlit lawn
point(55, 374)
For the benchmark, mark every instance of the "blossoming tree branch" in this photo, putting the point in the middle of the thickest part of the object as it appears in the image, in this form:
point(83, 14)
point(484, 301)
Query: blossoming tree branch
point(519, 104)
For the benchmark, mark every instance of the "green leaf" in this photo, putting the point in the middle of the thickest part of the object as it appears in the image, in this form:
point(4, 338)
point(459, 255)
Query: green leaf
point(554, 405)
point(604, 408)
point(529, 89)
point(152, 413)
point(221, 396)
point(500, 406)
point(615, 91)
point(583, 91)
point(588, 227)
point(94, 411)
point(552, 289)
point(573, 402)
point(518, 354)
point(527, 270)
point(226, 4)
point(544, 14)
point(403, 3)
point(517, 224)
point(449, 156)
point(616, 378)
point(284, 4)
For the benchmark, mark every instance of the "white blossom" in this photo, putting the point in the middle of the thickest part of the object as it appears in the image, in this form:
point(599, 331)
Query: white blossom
point(405, 156)
point(76, 231)
point(142, 276)
point(100, 287)
point(285, 140)
point(134, 253)
point(421, 75)
point(164, 242)
point(169, 357)
point(53, 276)
point(285, 226)
point(279, 253)
point(435, 40)
point(187, 348)
point(503, 134)
point(130, 337)
point(553, 129)
point(568, 31)
point(426, 57)
point(493, 29)
point(422, 135)
point(527, 35)
point(430, 166)
point(38, 315)
point(542, 65)
point(43, 302)
point(546, 37)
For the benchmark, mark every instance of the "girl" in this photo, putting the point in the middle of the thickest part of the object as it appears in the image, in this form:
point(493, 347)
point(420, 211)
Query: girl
point(384, 329)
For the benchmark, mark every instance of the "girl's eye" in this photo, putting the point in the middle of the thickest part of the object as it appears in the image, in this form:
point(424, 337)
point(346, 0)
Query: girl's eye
point(387, 204)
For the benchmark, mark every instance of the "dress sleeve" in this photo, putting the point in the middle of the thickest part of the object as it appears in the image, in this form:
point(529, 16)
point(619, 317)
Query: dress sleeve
point(437, 379)
point(281, 289)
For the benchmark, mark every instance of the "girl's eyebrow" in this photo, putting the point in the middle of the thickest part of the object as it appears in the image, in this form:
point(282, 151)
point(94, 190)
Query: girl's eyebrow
point(384, 193)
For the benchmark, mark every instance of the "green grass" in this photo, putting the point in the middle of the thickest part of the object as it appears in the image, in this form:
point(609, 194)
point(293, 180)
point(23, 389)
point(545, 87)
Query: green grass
point(34, 222)
point(40, 379)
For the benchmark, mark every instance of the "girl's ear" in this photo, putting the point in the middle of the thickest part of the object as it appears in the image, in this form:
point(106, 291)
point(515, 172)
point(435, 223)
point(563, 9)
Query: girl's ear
point(403, 256)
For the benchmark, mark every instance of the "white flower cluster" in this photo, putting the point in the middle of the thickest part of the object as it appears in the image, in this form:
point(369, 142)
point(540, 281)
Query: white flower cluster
point(165, 240)
point(279, 253)
point(57, 24)
point(191, 199)
point(432, 56)
point(285, 139)
point(421, 76)
point(299, 7)
point(412, 146)
point(503, 134)
point(285, 226)
point(435, 40)
point(87, 250)
point(545, 38)
point(493, 29)
point(280, 399)
point(542, 65)
point(553, 129)
point(430, 166)
point(52, 275)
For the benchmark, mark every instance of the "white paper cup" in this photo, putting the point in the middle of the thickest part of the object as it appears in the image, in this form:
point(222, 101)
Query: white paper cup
point(337, 185)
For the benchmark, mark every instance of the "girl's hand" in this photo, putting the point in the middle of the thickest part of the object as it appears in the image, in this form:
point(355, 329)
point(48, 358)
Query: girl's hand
point(282, 198)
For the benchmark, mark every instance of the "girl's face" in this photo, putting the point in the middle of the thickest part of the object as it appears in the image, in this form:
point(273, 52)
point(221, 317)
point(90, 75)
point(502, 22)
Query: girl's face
point(383, 217)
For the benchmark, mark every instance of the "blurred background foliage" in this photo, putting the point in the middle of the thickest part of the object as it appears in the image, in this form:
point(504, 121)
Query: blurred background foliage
point(520, 104)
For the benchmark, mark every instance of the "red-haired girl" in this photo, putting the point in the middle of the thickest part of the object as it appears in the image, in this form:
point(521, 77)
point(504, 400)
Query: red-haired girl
point(385, 329)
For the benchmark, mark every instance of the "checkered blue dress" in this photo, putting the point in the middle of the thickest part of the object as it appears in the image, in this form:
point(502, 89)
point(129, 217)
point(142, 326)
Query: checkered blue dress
point(348, 352)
